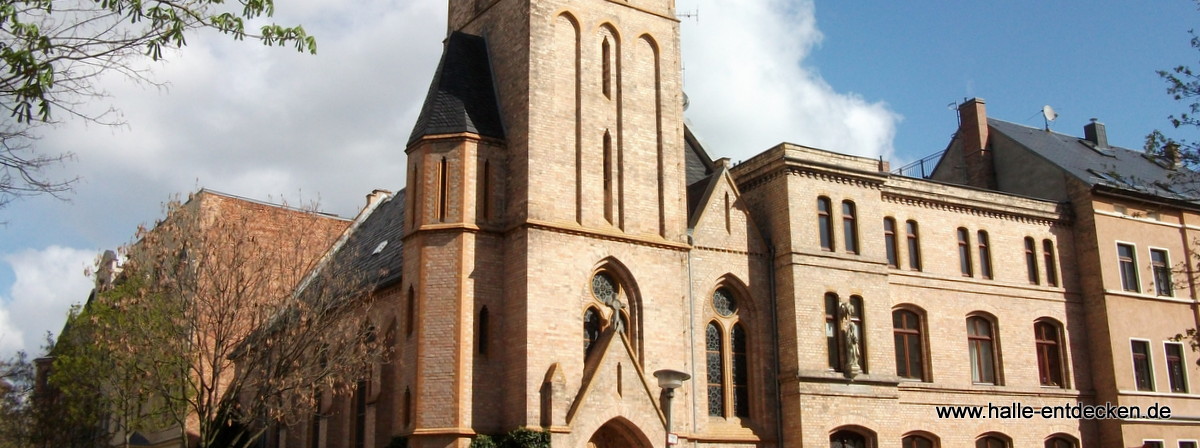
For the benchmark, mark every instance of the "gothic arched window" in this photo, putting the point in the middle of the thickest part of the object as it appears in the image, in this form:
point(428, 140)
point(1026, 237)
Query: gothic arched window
point(591, 328)
point(727, 347)
point(715, 366)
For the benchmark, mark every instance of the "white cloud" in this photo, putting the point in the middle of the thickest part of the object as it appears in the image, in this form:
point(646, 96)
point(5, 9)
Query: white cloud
point(749, 86)
point(47, 282)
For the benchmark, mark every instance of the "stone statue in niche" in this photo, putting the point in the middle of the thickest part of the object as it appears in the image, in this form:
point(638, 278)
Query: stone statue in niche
point(850, 334)
point(605, 290)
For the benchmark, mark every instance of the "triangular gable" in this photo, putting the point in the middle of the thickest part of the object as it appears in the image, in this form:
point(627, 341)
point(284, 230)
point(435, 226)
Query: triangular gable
point(614, 386)
point(702, 223)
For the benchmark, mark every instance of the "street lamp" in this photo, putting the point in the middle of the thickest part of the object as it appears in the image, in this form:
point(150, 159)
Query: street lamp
point(669, 380)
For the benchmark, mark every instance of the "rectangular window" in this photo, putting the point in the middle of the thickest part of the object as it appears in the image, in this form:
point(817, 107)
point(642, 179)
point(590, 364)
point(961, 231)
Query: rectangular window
point(889, 242)
point(1127, 261)
point(982, 345)
point(1031, 261)
point(1176, 369)
point(825, 223)
point(1187, 444)
point(914, 246)
point(985, 255)
point(831, 332)
point(1143, 376)
point(964, 252)
point(1152, 444)
point(849, 227)
point(1161, 263)
point(1051, 266)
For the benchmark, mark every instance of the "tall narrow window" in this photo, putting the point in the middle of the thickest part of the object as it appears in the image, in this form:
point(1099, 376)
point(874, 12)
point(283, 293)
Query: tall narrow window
point(825, 223)
point(606, 71)
point(728, 225)
point(1031, 261)
point(982, 345)
point(847, 439)
point(1163, 285)
point(1176, 369)
point(849, 227)
point(1127, 261)
point(591, 329)
point(1049, 354)
point(483, 331)
point(409, 312)
point(740, 373)
point(414, 198)
point(1143, 376)
point(910, 353)
point(916, 442)
point(716, 371)
point(964, 252)
point(360, 414)
point(914, 245)
point(608, 175)
point(1051, 266)
point(991, 442)
point(831, 332)
point(1060, 442)
point(314, 429)
point(985, 254)
point(407, 412)
point(485, 196)
point(860, 336)
point(889, 242)
point(443, 190)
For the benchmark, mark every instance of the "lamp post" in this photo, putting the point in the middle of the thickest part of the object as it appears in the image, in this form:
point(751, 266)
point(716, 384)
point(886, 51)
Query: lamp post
point(669, 380)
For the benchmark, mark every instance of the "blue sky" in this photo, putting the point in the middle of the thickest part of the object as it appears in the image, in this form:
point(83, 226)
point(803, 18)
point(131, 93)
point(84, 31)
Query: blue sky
point(869, 78)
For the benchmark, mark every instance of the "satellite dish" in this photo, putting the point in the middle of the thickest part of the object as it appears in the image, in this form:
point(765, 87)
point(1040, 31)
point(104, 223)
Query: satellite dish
point(686, 101)
point(1049, 114)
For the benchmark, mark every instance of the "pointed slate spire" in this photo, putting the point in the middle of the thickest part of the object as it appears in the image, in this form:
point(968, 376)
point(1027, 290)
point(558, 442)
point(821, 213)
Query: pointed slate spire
point(461, 97)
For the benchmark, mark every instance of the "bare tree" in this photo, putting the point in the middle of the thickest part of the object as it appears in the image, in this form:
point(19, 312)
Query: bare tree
point(214, 330)
point(52, 53)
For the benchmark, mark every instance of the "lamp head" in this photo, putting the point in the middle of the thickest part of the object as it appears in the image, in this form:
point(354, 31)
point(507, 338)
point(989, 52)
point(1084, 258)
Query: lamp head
point(671, 379)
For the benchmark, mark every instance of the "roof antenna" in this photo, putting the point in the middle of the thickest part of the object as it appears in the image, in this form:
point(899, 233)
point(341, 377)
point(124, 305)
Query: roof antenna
point(1049, 115)
point(695, 14)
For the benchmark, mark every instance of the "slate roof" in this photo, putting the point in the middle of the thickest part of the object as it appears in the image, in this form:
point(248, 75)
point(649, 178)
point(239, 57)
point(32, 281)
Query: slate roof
point(1112, 167)
point(370, 257)
point(699, 169)
point(461, 97)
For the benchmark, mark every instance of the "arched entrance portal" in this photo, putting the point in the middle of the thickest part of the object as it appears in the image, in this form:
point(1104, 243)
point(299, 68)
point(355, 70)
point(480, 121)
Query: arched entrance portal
point(621, 433)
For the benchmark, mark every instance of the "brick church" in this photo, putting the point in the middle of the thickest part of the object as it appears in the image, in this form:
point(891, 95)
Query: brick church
point(563, 236)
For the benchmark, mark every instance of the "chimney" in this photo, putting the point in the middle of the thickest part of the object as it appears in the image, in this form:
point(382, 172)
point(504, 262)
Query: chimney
point(1094, 132)
point(107, 271)
point(973, 133)
point(1171, 153)
point(376, 196)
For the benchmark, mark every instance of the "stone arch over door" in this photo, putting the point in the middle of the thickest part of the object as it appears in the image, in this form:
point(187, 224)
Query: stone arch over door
point(619, 433)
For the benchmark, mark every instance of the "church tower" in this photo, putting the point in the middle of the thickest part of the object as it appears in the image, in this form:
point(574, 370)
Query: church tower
point(545, 252)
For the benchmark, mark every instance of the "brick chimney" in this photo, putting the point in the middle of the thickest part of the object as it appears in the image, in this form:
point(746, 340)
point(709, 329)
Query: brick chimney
point(1094, 132)
point(973, 133)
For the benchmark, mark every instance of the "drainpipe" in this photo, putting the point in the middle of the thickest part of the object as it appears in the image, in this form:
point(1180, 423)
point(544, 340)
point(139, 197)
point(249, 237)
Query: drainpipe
point(692, 335)
point(774, 305)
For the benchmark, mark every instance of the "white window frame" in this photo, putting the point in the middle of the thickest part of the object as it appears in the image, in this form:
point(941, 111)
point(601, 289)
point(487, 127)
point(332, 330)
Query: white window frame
point(1149, 362)
point(1153, 277)
point(1180, 442)
point(1137, 276)
point(1182, 360)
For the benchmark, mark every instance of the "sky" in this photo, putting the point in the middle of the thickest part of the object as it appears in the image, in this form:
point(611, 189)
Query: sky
point(872, 78)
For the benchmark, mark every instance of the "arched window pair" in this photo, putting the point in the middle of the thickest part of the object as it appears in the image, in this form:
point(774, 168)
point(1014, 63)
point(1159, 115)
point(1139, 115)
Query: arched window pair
point(849, 225)
point(727, 368)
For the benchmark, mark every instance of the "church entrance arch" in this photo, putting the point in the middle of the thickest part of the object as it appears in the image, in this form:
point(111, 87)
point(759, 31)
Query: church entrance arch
point(619, 432)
